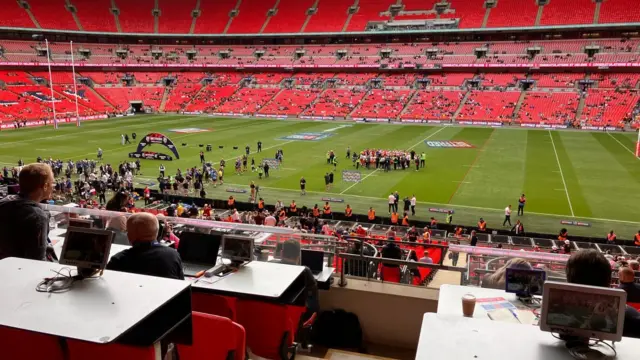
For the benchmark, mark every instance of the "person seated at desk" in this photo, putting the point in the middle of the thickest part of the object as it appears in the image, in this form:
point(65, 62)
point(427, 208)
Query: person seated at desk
point(497, 280)
point(118, 225)
point(146, 256)
point(627, 278)
point(589, 267)
point(24, 227)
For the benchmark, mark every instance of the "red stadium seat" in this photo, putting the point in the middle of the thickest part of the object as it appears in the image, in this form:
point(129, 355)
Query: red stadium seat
point(214, 305)
point(390, 274)
point(634, 305)
point(214, 337)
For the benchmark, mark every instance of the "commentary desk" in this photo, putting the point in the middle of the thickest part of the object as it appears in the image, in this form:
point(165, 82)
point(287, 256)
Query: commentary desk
point(116, 307)
point(460, 338)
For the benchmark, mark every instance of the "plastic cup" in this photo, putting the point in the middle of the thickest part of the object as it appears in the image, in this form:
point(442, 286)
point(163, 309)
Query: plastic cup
point(468, 305)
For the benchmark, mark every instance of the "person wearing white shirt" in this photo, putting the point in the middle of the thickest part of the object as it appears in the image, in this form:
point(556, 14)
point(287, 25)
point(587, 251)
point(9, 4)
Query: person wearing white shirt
point(270, 220)
point(392, 201)
point(235, 216)
point(426, 259)
point(507, 216)
point(413, 205)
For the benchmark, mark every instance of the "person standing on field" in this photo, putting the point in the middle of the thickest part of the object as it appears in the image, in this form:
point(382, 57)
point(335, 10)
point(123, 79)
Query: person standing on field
point(507, 216)
point(413, 205)
point(521, 201)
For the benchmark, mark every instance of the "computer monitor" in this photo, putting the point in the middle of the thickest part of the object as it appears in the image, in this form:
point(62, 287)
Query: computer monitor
point(525, 282)
point(237, 248)
point(199, 248)
point(86, 248)
point(80, 223)
point(583, 311)
point(312, 259)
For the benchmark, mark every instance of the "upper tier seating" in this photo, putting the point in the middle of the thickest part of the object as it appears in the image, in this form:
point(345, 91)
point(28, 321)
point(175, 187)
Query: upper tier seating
point(331, 16)
point(136, 16)
point(490, 80)
point(470, 12)
point(616, 11)
point(214, 16)
point(548, 108)
point(624, 80)
point(411, 7)
point(556, 80)
point(560, 12)
point(290, 16)
point(52, 14)
point(175, 16)
point(433, 105)
point(368, 11)
point(251, 16)
point(15, 78)
point(503, 14)
point(95, 15)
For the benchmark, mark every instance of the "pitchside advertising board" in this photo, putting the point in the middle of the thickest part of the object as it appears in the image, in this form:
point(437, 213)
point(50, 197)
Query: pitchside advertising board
point(448, 144)
point(154, 139)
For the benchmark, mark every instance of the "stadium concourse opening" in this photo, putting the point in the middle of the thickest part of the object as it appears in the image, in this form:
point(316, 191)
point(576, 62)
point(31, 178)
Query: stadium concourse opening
point(380, 148)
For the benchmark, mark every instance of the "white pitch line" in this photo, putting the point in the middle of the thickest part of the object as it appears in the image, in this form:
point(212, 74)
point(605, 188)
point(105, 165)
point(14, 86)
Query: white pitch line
point(566, 191)
point(376, 170)
point(267, 148)
point(621, 144)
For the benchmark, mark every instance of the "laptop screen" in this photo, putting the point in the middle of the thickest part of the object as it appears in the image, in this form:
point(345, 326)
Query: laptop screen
point(199, 248)
point(312, 259)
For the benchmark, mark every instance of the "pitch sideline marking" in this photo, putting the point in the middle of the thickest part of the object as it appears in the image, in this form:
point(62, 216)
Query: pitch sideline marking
point(566, 191)
point(376, 170)
point(625, 147)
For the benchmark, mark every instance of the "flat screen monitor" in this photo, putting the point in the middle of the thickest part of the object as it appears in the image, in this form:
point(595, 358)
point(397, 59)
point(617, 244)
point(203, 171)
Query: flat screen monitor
point(86, 248)
point(583, 311)
point(199, 248)
point(312, 259)
point(81, 223)
point(237, 248)
point(525, 282)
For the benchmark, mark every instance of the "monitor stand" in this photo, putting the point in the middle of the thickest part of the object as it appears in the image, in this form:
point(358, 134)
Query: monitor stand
point(581, 350)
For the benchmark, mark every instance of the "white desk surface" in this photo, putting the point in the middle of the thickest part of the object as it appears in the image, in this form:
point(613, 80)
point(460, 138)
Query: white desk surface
point(326, 273)
point(450, 299)
point(460, 338)
point(256, 278)
point(95, 310)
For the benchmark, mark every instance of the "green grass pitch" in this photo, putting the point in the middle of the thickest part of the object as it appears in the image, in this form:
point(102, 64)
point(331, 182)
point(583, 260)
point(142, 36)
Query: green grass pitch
point(588, 176)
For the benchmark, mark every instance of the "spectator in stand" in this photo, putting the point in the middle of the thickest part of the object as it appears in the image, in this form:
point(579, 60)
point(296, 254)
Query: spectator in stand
point(634, 265)
point(358, 267)
point(497, 279)
point(270, 220)
point(146, 256)
point(627, 283)
point(589, 267)
point(566, 247)
point(118, 225)
point(24, 227)
point(518, 228)
point(474, 238)
point(118, 202)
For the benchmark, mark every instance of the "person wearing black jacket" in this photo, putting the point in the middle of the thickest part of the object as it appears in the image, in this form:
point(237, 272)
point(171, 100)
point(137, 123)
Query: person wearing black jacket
point(24, 227)
point(146, 256)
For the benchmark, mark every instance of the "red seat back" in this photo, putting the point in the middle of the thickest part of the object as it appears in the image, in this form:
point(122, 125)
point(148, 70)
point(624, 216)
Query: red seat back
point(270, 330)
point(214, 305)
point(214, 337)
point(634, 305)
point(26, 345)
point(390, 274)
point(81, 350)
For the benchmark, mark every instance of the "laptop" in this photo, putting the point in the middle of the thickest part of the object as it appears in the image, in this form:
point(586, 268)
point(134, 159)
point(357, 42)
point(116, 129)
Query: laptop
point(199, 252)
point(312, 259)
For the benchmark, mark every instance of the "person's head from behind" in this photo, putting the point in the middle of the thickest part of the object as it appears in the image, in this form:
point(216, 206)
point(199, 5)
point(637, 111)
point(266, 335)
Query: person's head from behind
point(589, 267)
point(626, 275)
point(118, 202)
point(36, 182)
point(634, 265)
point(142, 228)
point(498, 279)
point(291, 252)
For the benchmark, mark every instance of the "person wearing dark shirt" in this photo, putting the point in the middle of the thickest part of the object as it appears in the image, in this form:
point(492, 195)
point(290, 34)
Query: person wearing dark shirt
point(146, 256)
point(627, 278)
point(474, 238)
point(589, 267)
point(391, 251)
point(24, 227)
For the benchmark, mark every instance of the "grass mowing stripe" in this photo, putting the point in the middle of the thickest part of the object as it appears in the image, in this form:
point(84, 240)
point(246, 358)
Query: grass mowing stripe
point(566, 191)
point(479, 151)
point(625, 147)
